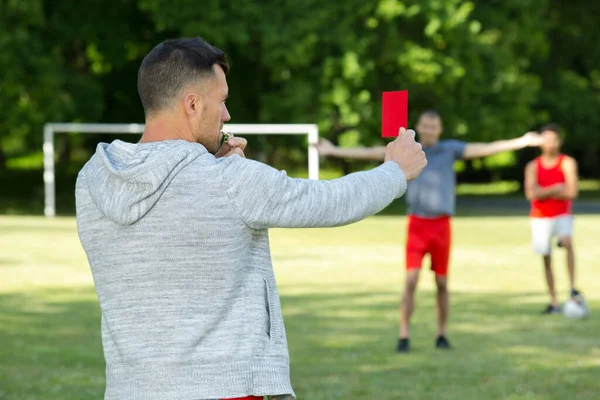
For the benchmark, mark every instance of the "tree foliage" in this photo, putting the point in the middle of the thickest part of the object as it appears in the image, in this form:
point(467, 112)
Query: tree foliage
point(493, 68)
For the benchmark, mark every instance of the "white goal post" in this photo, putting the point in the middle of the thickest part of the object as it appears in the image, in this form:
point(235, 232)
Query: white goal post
point(311, 130)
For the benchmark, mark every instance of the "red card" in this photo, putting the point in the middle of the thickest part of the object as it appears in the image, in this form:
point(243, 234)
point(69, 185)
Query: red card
point(394, 113)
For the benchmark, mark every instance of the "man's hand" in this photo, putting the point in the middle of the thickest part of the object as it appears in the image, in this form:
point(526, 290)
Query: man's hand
point(532, 139)
point(325, 147)
point(407, 153)
point(235, 145)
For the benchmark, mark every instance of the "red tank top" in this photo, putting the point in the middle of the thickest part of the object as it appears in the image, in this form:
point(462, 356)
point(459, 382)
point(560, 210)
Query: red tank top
point(548, 177)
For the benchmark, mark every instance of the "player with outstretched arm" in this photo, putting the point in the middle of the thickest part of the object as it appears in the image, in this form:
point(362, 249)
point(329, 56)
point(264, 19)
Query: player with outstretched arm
point(431, 203)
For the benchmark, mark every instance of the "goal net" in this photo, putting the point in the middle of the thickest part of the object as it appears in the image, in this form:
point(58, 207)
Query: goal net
point(50, 129)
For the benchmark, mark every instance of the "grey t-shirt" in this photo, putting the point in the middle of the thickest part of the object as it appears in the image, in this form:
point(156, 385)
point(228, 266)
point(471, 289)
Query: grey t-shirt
point(433, 192)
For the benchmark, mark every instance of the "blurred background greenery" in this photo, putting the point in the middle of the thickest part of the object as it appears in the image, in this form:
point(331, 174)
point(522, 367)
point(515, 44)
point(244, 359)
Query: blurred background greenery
point(493, 68)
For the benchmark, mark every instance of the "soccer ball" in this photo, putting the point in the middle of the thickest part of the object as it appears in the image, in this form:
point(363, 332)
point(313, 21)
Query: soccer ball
point(575, 309)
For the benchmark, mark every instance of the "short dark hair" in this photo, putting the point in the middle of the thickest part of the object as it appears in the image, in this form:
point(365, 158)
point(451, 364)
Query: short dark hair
point(171, 66)
point(552, 127)
point(431, 114)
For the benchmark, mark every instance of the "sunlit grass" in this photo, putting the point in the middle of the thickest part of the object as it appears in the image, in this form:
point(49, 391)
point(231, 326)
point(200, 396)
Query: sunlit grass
point(340, 288)
point(495, 188)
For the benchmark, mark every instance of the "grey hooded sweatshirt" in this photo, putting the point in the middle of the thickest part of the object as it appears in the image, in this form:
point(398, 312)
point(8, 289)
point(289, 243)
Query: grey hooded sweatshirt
point(178, 245)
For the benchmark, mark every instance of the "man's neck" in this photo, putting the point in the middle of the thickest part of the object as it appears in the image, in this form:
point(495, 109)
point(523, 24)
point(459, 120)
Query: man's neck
point(550, 156)
point(165, 127)
point(550, 160)
point(429, 144)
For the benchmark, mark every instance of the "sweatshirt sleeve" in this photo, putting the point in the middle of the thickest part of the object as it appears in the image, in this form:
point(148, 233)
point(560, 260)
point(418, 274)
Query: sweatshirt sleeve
point(267, 198)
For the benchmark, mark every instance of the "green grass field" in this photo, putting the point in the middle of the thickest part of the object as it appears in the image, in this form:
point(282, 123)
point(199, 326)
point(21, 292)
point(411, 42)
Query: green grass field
point(340, 288)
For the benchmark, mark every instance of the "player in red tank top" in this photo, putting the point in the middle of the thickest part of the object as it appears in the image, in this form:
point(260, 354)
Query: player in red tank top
point(551, 186)
point(548, 176)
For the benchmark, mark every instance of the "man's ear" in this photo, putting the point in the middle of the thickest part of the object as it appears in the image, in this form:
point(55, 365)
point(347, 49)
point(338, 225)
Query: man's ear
point(192, 104)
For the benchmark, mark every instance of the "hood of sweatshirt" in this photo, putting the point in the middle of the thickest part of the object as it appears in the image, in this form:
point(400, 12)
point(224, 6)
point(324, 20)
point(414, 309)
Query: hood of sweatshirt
point(125, 180)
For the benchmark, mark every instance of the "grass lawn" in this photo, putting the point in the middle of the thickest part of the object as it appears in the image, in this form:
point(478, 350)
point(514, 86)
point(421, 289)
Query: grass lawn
point(340, 289)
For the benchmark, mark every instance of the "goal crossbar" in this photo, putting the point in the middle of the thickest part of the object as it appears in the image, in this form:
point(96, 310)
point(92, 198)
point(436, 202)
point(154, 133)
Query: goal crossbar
point(50, 129)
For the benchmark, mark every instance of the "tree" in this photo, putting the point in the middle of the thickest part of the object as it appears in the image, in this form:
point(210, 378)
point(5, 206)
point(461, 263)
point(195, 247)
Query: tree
point(493, 68)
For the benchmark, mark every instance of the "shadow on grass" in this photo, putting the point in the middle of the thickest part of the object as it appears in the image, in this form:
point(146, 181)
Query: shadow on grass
point(345, 343)
point(51, 349)
point(342, 347)
point(485, 316)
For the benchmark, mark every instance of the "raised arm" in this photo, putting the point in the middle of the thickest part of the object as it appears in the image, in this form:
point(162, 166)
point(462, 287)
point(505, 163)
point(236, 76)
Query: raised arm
point(266, 198)
point(477, 150)
point(326, 148)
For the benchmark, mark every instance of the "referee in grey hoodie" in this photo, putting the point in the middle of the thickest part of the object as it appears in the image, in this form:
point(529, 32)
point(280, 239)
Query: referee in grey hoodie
point(175, 229)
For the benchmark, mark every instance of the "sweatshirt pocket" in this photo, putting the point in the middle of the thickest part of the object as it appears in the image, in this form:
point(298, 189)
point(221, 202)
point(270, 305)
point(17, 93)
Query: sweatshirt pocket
point(263, 310)
point(274, 310)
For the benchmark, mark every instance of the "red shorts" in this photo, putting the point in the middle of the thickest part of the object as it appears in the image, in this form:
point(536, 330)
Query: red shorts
point(428, 235)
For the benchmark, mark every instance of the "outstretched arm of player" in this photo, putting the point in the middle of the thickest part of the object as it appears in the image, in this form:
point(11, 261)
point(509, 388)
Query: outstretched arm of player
point(326, 148)
point(477, 150)
point(571, 186)
point(533, 191)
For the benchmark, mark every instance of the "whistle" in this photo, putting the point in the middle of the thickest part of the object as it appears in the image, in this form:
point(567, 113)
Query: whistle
point(226, 136)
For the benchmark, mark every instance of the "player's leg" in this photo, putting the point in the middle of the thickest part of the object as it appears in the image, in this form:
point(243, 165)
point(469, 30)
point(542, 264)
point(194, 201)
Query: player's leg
point(415, 251)
point(440, 259)
point(407, 305)
point(567, 244)
point(553, 307)
point(442, 309)
point(541, 234)
point(564, 232)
